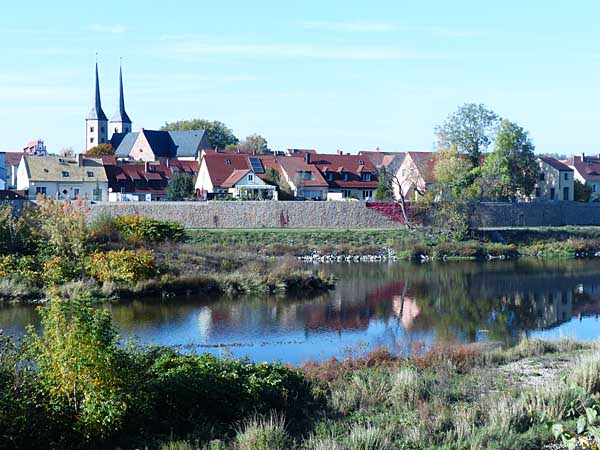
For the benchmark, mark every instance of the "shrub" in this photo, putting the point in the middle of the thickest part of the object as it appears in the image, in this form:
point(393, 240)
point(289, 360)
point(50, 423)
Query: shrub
point(263, 433)
point(587, 372)
point(138, 229)
point(59, 270)
point(104, 228)
point(121, 265)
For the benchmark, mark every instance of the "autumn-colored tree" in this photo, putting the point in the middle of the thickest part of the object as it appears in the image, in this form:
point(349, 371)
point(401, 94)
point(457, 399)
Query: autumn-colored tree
point(101, 150)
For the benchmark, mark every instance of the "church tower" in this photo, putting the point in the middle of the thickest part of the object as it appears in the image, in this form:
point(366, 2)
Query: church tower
point(96, 122)
point(120, 122)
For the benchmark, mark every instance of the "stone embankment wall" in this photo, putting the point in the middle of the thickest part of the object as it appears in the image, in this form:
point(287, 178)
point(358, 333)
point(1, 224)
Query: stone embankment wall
point(255, 214)
point(534, 214)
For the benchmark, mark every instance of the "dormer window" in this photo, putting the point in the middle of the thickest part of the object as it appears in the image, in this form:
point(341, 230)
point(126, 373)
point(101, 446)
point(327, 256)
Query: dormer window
point(361, 162)
point(345, 176)
point(329, 176)
point(65, 174)
point(228, 162)
point(366, 176)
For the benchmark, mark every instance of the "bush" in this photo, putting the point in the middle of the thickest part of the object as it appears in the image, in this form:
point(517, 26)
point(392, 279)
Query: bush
point(121, 265)
point(58, 270)
point(263, 433)
point(137, 229)
point(189, 388)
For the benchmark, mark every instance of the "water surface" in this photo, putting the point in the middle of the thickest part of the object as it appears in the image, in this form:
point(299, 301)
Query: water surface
point(397, 305)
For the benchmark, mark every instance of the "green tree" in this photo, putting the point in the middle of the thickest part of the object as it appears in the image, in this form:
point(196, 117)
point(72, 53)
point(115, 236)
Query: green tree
point(384, 186)
point(583, 192)
point(79, 364)
point(101, 149)
point(181, 186)
point(272, 177)
point(510, 171)
point(219, 134)
point(454, 175)
point(470, 129)
point(255, 143)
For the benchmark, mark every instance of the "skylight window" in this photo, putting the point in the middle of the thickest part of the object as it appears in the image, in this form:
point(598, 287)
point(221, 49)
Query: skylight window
point(257, 166)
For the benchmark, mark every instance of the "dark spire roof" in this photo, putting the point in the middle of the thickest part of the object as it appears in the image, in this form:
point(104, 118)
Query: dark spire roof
point(121, 115)
point(96, 113)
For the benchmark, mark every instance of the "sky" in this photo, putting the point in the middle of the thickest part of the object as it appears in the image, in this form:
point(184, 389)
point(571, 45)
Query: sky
point(329, 75)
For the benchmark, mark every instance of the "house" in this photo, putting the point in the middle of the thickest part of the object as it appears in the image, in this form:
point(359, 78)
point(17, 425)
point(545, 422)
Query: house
point(152, 145)
point(347, 176)
point(62, 178)
point(389, 162)
point(216, 168)
point(143, 181)
point(555, 181)
point(586, 169)
point(414, 175)
point(304, 179)
point(9, 163)
point(245, 184)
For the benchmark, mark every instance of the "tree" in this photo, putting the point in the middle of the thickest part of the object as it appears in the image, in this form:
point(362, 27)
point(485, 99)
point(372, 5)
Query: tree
point(583, 192)
point(181, 186)
point(384, 186)
point(470, 129)
point(101, 149)
point(510, 171)
point(79, 364)
point(454, 175)
point(272, 177)
point(255, 143)
point(219, 134)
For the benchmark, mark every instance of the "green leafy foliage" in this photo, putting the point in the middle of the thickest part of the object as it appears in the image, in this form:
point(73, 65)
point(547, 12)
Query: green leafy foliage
point(101, 150)
point(181, 186)
point(219, 135)
point(583, 192)
point(121, 265)
point(137, 229)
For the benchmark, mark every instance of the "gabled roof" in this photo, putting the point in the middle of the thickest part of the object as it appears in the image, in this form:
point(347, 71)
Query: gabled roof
point(189, 143)
point(220, 166)
point(164, 144)
point(293, 166)
point(123, 143)
point(555, 163)
point(13, 158)
point(235, 177)
point(51, 168)
point(588, 167)
point(382, 159)
point(352, 165)
point(425, 164)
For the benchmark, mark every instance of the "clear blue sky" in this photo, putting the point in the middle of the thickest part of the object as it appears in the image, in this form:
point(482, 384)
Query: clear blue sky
point(313, 74)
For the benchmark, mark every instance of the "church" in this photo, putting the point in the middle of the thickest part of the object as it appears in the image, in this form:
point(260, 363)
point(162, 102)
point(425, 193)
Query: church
point(144, 145)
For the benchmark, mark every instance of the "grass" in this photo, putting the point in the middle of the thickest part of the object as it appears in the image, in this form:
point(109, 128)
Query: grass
point(448, 398)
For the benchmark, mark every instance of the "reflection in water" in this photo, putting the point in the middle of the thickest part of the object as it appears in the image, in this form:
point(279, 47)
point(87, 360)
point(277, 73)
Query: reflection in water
point(395, 305)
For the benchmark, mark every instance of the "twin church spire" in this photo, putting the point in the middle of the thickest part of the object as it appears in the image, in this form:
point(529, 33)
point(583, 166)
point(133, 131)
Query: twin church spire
point(97, 125)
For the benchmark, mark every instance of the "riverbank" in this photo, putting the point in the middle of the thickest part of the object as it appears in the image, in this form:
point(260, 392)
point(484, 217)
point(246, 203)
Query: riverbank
point(331, 245)
point(446, 397)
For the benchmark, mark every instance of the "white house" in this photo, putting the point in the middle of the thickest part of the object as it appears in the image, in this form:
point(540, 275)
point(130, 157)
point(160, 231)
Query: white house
point(247, 185)
point(63, 178)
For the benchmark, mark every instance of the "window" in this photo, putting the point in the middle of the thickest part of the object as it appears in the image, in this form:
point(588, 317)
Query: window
point(367, 194)
point(538, 192)
point(542, 176)
point(90, 174)
point(366, 176)
point(307, 175)
point(91, 129)
point(552, 193)
point(65, 174)
point(228, 162)
point(361, 162)
point(345, 176)
point(329, 176)
point(250, 177)
point(75, 192)
point(141, 150)
point(257, 165)
point(566, 176)
point(346, 193)
point(91, 140)
point(40, 190)
point(594, 187)
point(116, 130)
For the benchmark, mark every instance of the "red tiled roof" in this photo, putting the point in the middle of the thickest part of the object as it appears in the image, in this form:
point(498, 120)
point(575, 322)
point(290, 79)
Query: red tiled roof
point(219, 169)
point(349, 164)
point(556, 164)
point(293, 166)
point(13, 158)
point(235, 177)
point(588, 167)
point(425, 163)
point(380, 159)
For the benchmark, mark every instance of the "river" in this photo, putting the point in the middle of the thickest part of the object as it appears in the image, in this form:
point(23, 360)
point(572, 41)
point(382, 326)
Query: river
point(398, 305)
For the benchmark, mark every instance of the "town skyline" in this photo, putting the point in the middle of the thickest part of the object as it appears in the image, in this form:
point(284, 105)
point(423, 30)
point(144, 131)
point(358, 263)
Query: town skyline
point(310, 77)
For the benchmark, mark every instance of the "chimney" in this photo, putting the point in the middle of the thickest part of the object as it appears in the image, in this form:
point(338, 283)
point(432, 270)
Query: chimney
point(168, 163)
point(307, 157)
point(79, 159)
point(582, 157)
point(340, 152)
point(146, 166)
